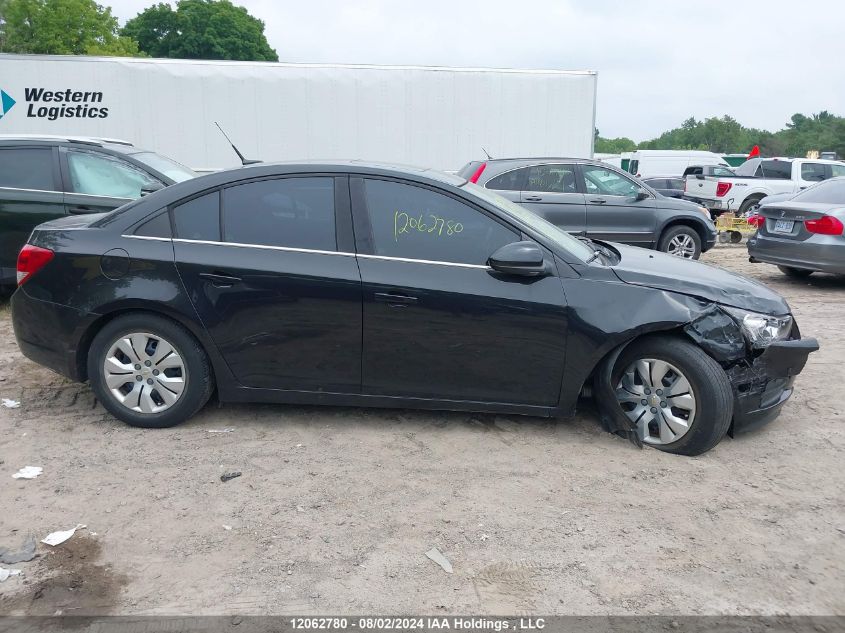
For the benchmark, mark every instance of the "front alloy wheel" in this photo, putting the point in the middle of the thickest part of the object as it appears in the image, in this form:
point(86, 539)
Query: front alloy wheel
point(675, 396)
point(657, 397)
point(682, 246)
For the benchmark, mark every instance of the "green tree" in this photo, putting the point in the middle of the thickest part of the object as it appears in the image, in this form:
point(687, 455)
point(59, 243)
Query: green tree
point(200, 29)
point(61, 27)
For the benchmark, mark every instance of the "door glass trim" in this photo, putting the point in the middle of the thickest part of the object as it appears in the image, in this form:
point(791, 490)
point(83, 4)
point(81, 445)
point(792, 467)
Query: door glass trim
point(288, 249)
point(425, 261)
point(148, 237)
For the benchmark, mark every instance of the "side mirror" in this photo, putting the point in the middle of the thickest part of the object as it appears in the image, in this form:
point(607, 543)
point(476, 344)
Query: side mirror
point(642, 194)
point(519, 258)
point(151, 187)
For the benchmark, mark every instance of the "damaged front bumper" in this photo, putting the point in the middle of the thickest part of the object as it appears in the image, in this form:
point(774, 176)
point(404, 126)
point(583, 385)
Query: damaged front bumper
point(763, 383)
point(762, 379)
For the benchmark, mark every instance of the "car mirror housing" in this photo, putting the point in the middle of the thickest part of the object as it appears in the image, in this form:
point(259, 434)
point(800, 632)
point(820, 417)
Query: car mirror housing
point(151, 187)
point(642, 194)
point(519, 258)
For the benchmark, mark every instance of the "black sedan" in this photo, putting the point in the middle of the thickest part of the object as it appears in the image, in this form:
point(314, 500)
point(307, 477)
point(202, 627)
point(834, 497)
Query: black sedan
point(364, 284)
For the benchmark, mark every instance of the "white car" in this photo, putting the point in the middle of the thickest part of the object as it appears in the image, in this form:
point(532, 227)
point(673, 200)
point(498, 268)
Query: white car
point(757, 178)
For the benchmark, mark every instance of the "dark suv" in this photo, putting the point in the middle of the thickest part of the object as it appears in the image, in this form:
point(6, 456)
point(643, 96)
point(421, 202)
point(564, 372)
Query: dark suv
point(599, 201)
point(45, 177)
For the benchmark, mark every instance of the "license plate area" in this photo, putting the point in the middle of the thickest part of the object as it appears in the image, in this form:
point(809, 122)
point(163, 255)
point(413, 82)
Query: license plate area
point(784, 226)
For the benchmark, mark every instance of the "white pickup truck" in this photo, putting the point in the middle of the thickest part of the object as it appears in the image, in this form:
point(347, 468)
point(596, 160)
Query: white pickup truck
point(757, 178)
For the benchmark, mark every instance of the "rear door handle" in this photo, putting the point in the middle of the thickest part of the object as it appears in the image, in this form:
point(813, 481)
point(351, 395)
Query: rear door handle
point(533, 198)
point(598, 201)
point(219, 280)
point(394, 300)
point(80, 210)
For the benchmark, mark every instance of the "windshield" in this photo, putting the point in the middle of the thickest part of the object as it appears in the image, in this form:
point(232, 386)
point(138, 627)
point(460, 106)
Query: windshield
point(166, 166)
point(545, 228)
point(827, 192)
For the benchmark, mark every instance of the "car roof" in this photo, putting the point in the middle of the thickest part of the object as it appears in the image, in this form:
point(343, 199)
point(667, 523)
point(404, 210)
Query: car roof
point(365, 166)
point(97, 141)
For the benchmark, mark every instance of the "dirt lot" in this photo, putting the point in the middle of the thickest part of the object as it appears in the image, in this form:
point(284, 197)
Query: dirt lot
point(336, 508)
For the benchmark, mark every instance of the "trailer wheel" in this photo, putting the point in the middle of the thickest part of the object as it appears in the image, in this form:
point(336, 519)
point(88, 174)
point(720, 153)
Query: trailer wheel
point(736, 237)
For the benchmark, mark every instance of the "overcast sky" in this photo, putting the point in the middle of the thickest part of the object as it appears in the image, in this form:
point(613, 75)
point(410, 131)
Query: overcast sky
point(658, 61)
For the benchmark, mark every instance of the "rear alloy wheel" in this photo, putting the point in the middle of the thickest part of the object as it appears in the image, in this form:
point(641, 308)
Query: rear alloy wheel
point(679, 399)
point(144, 372)
point(795, 273)
point(681, 241)
point(149, 371)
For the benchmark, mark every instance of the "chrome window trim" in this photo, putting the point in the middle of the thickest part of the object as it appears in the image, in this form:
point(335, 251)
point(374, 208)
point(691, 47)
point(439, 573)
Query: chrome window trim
point(16, 189)
point(98, 197)
point(424, 261)
point(290, 249)
point(148, 237)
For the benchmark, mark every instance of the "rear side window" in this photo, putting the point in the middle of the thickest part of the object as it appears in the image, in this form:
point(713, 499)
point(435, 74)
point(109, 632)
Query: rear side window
point(837, 170)
point(159, 226)
point(27, 168)
point(552, 179)
point(290, 212)
point(675, 183)
point(417, 223)
point(199, 219)
point(509, 181)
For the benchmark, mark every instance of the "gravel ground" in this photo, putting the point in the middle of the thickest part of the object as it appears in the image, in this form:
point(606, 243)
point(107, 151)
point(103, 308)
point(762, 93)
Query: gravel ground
point(336, 508)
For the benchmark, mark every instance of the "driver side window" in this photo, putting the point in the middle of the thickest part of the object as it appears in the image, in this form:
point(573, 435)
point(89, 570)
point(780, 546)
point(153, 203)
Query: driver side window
point(604, 182)
point(417, 223)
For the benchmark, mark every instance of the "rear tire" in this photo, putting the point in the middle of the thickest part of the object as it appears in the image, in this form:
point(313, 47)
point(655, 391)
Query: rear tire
point(795, 273)
point(681, 241)
point(185, 368)
point(712, 394)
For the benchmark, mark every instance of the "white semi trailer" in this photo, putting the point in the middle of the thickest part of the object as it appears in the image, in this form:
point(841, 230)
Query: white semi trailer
point(430, 116)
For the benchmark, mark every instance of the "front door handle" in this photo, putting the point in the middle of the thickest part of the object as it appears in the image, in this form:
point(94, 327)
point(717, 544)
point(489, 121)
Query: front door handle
point(394, 300)
point(219, 280)
point(533, 198)
point(598, 201)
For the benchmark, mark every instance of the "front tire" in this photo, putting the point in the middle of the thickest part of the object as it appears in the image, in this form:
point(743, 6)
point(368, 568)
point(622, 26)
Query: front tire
point(681, 241)
point(679, 397)
point(795, 273)
point(149, 371)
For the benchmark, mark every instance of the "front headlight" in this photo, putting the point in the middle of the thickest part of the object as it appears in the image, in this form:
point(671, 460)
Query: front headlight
point(761, 330)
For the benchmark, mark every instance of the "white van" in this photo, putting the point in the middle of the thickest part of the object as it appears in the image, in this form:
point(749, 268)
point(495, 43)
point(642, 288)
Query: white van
point(647, 163)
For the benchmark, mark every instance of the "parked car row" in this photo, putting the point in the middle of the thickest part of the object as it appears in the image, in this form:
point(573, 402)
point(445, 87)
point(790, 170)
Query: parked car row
point(42, 178)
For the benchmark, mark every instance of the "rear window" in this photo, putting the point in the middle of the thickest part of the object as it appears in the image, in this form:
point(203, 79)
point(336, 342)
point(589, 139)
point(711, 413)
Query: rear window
point(27, 168)
point(828, 192)
point(777, 169)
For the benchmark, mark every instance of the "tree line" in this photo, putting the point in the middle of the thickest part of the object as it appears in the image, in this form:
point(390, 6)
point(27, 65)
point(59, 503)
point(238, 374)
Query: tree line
point(725, 135)
point(194, 29)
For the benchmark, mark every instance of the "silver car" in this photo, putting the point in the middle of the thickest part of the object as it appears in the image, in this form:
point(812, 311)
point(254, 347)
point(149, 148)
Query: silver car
point(804, 234)
point(598, 201)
